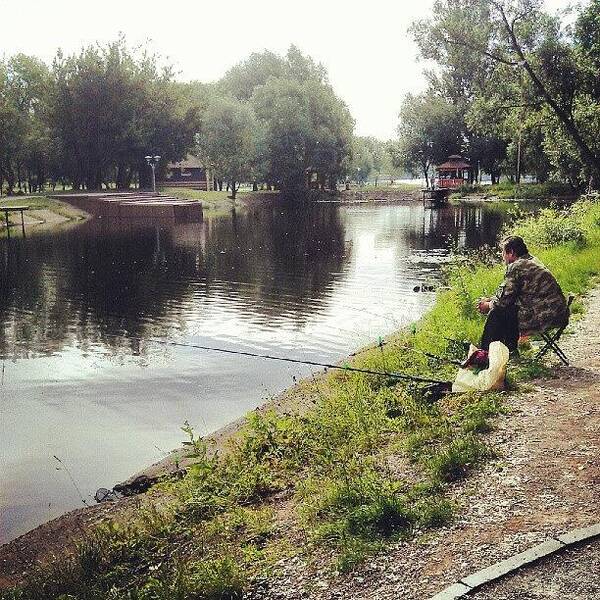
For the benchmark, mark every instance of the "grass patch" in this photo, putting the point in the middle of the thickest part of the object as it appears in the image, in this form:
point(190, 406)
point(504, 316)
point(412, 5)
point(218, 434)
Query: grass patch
point(37, 202)
point(523, 191)
point(214, 203)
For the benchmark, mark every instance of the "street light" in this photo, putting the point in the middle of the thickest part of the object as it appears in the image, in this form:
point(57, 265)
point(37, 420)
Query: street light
point(152, 162)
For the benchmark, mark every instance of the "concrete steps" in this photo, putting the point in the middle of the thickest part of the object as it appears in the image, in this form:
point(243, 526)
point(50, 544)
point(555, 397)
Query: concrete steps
point(132, 205)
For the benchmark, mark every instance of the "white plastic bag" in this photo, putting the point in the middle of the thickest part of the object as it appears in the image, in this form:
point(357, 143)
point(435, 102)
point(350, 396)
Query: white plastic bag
point(491, 378)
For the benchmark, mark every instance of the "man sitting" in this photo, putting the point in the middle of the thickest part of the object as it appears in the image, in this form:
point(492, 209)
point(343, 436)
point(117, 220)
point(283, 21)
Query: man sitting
point(528, 300)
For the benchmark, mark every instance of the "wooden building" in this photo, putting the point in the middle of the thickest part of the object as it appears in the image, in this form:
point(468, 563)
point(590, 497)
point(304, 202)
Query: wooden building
point(453, 173)
point(188, 173)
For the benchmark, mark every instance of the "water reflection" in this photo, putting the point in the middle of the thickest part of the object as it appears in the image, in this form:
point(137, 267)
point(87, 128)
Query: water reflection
point(81, 381)
point(135, 278)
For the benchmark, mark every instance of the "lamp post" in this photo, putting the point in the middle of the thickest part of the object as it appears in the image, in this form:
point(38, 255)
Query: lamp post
point(152, 162)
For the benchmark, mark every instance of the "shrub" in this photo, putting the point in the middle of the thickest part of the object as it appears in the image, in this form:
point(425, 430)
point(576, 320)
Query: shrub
point(453, 460)
point(552, 227)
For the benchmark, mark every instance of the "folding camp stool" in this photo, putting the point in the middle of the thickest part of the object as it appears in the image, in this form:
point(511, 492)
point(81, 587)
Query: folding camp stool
point(551, 338)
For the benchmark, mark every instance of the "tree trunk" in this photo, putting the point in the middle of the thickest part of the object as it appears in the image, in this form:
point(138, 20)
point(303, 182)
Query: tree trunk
point(255, 186)
point(233, 189)
point(120, 176)
point(10, 180)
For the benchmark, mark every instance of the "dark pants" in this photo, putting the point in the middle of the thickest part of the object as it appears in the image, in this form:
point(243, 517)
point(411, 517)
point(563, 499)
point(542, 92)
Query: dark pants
point(501, 325)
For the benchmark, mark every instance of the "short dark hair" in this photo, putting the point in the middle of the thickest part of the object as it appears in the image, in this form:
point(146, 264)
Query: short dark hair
point(516, 244)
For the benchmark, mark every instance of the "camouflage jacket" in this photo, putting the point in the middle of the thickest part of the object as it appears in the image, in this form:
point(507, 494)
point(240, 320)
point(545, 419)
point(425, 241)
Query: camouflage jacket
point(540, 302)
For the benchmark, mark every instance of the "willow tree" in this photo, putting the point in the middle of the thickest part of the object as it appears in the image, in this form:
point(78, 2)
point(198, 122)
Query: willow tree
point(307, 128)
point(229, 141)
point(429, 131)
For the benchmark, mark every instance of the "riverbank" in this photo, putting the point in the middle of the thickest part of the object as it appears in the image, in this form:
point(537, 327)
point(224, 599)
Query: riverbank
point(377, 465)
point(42, 212)
point(507, 191)
point(220, 203)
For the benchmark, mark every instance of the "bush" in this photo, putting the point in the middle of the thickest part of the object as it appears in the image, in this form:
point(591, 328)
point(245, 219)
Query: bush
point(552, 227)
point(530, 191)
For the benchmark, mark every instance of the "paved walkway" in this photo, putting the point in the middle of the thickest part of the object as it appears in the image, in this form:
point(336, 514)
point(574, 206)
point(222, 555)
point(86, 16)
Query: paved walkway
point(572, 574)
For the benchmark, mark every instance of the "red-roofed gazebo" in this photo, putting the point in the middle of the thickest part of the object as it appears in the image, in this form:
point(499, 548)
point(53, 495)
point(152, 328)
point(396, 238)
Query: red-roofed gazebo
point(453, 173)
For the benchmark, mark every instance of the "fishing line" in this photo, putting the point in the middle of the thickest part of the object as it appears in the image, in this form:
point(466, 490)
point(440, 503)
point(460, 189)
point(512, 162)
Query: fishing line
point(392, 374)
point(380, 344)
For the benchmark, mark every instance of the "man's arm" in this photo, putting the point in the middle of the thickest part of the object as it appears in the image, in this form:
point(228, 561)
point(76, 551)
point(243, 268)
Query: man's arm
point(508, 290)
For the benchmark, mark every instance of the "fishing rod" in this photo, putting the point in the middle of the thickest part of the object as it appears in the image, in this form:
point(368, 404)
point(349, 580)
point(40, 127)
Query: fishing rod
point(393, 374)
point(451, 361)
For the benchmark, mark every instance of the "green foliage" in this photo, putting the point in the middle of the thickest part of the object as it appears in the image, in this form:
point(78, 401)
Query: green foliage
point(231, 140)
point(305, 129)
point(216, 579)
point(551, 228)
point(308, 131)
point(530, 191)
point(507, 190)
point(89, 120)
point(452, 461)
point(429, 130)
point(24, 137)
point(526, 84)
point(108, 107)
point(363, 159)
point(562, 229)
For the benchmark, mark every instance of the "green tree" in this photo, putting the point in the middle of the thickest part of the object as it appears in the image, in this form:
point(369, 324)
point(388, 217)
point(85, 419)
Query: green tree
point(24, 84)
point(429, 131)
point(363, 161)
point(306, 130)
point(229, 140)
point(242, 79)
point(519, 37)
point(370, 155)
point(109, 107)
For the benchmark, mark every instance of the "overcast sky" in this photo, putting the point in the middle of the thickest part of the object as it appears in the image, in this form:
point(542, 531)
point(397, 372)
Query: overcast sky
point(370, 58)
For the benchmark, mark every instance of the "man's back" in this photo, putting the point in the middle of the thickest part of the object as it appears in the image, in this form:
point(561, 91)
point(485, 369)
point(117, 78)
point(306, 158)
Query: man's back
point(540, 301)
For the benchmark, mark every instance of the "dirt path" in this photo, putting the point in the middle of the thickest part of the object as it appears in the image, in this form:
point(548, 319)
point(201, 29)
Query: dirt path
point(545, 482)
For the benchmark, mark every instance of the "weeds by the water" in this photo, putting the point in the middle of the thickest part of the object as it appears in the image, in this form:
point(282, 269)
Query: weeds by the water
point(370, 463)
point(525, 191)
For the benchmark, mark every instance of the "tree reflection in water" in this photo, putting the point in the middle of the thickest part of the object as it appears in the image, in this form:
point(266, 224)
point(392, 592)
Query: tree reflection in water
point(109, 280)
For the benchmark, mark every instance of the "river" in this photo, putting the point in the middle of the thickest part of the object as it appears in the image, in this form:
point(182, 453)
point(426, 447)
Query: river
point(86, 399)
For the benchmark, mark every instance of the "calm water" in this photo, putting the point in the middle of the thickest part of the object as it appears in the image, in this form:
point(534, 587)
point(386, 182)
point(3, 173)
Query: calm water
point(77, 383)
